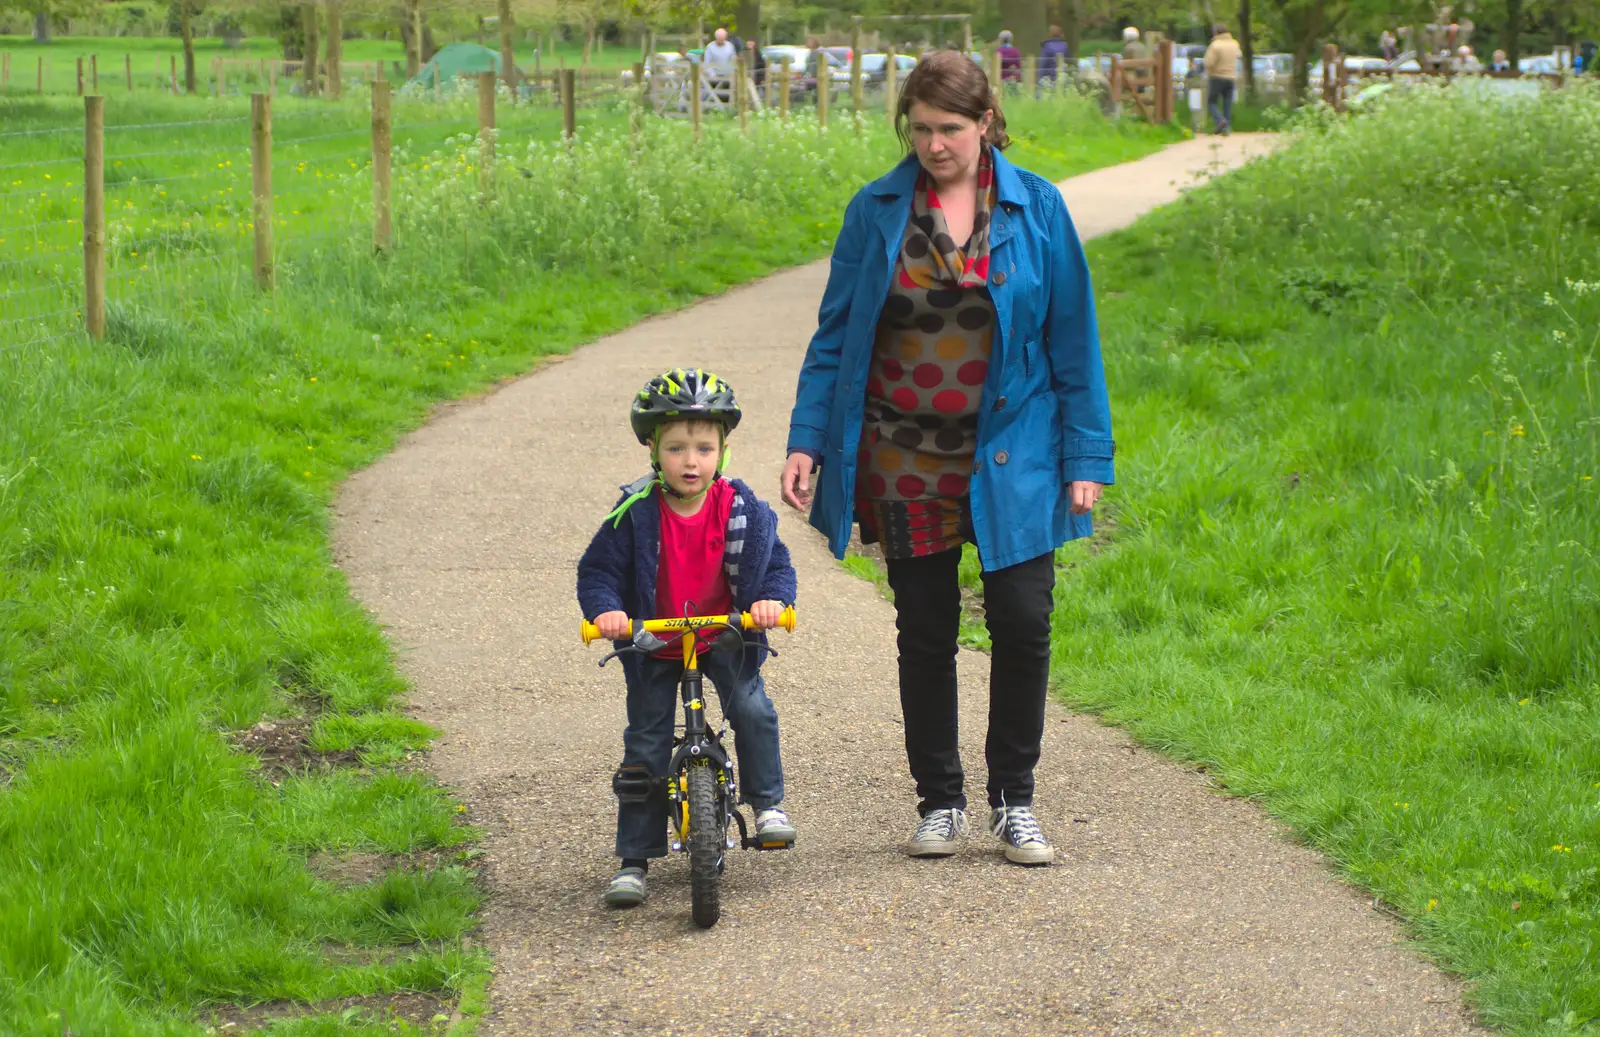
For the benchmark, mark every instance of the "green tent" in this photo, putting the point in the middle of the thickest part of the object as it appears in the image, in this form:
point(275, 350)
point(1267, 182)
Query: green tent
point(455, 59)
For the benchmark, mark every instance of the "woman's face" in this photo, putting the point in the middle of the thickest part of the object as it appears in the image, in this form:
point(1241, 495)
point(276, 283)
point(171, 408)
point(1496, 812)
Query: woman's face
point(948, 144)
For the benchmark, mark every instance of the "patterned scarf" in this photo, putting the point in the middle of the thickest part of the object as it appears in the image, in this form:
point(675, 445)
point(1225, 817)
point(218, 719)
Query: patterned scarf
point(931, 256)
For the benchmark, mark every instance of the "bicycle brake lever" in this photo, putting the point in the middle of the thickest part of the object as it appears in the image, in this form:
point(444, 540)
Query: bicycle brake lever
point(645, 641)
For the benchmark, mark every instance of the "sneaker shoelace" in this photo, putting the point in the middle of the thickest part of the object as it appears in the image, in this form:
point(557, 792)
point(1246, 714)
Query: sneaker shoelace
point(1018, 826)
point(937, 824)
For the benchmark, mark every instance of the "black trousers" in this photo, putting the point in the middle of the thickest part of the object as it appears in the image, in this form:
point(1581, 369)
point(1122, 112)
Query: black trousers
point(928, 615)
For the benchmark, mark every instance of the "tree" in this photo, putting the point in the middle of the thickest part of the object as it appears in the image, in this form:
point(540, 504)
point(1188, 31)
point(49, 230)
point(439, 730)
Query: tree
point(1027, 21)
point(45, 12)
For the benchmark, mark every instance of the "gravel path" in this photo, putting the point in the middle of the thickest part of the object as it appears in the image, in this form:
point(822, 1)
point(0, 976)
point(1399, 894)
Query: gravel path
point(1171, 909)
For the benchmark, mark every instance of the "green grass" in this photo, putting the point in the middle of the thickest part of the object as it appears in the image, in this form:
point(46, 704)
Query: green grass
point(165, 577)
point(1351, 564)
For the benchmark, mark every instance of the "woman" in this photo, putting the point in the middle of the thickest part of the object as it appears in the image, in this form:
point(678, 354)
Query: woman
point(954, 393)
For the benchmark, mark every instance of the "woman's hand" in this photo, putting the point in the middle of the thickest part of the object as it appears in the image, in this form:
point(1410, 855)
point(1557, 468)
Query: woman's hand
point(766, 614)
point(795, 485)
point(1084, 494)
point(614, 626)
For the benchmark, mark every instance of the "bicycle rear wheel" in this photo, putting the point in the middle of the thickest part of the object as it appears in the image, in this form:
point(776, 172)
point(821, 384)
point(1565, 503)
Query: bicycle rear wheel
point(706, 846)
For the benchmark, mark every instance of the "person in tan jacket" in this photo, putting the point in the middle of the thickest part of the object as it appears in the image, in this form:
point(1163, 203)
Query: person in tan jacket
point(1222, 73)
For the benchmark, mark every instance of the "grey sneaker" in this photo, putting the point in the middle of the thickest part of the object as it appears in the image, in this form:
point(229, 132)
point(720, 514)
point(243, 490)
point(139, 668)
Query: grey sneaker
point(626, 888)
point(1019, 830)
point(773, 828)
point(939, 833)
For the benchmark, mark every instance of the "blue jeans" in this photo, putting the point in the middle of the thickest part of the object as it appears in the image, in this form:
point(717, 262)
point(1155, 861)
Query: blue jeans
point(653, 709)
point(1219, 98)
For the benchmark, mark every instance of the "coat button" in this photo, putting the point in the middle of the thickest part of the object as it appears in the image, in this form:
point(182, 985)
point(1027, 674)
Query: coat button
point(1000, 404)
point(1001, 457)
point(999, 277)
point(977, 466)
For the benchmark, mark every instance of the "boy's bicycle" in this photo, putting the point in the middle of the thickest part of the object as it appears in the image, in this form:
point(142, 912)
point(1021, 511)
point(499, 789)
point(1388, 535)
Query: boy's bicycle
point(701, 793)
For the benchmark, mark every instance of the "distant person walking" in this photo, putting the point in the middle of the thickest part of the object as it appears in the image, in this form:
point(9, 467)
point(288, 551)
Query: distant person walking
point(1053, 55)
point(1133, 47)
point(1388, 46)
point(720, 56)
point(1222, 73)
point(1010, 59)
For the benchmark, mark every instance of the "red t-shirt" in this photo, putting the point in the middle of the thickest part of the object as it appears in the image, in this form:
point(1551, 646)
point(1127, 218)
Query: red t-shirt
point(690, 573)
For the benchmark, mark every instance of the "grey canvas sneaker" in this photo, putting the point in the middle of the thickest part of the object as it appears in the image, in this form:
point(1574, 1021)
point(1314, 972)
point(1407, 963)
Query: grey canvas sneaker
point(1019, 830)
point(939, 833)
point(626, 888)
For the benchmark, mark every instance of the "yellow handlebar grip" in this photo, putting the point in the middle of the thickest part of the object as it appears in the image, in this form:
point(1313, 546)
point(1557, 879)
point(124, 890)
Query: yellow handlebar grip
point(588, 631)
point(787, 619)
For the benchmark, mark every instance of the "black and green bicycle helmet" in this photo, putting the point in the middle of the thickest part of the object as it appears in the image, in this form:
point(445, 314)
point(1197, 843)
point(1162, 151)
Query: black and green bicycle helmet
point(679, 395)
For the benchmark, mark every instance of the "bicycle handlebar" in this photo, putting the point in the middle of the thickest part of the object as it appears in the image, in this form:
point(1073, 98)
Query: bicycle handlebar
point(687, 624)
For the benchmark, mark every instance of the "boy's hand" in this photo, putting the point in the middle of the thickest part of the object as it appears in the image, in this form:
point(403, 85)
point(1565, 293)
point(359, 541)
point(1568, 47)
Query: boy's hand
point(766, 614)
point(614, 626)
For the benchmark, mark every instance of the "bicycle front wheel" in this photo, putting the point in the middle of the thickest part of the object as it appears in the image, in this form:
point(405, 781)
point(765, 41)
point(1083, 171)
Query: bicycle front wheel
point(706, 846)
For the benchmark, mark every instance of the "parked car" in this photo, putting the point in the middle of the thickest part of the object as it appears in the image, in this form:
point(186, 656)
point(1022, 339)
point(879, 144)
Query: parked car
point(873, 67)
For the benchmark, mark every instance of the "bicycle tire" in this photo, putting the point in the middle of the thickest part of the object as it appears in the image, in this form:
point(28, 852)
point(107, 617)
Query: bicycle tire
point(705, 846)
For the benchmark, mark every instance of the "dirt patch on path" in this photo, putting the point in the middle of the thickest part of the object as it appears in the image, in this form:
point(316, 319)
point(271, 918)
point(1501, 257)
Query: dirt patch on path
point(1171, 910)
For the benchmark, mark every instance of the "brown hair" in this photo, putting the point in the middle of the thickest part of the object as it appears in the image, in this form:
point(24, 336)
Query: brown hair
point(952, 82)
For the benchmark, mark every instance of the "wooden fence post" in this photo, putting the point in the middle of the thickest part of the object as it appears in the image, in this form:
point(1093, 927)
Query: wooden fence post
point(381, 212)
point(1330, 84)
point(5, 70)
point(1165, 88)
point(41, 75)
point(80, 77)
point(486, 127)
point(174, 70)
point(221, 70)
point(694, 98)
point(785, 85)
point(995, 78)
point(638, 110)
point(94, 215)
point(335, 58)
point(272, 77)
point(261, 185)
point(891, 86)
point(741, 87)
point(857, 91)
point(94, 73)
point(127, 62)
point(824, 88)
point(1116, 86)
point(569, 103)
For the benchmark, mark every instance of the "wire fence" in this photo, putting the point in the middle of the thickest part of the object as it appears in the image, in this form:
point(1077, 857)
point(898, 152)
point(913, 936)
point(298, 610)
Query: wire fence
point(181, 216)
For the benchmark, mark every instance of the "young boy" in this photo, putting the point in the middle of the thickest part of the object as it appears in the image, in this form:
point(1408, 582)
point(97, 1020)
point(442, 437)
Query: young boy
point(687, 542)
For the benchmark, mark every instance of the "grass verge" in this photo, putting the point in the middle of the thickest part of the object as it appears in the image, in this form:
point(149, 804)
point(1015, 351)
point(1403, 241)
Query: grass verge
point(1351, 559)
point(166, 592)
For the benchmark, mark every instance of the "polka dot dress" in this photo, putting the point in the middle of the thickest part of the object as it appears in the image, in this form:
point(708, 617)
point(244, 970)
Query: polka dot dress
point(929, 363)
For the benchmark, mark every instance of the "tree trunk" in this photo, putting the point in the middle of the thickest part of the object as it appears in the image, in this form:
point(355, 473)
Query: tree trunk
point(1247, 50)
point(508, 55)
point(411, 37)
point(308, 19)
point(1513, 41)
point(1071, 29)
point(747, 19)
point(186, 30)
point(1027, 21)
point(588, 43)
point(41, 27)
point(1305, 25)
point(335, 49)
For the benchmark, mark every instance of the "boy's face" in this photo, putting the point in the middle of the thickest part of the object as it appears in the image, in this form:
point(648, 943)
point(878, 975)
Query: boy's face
point(688, 453)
